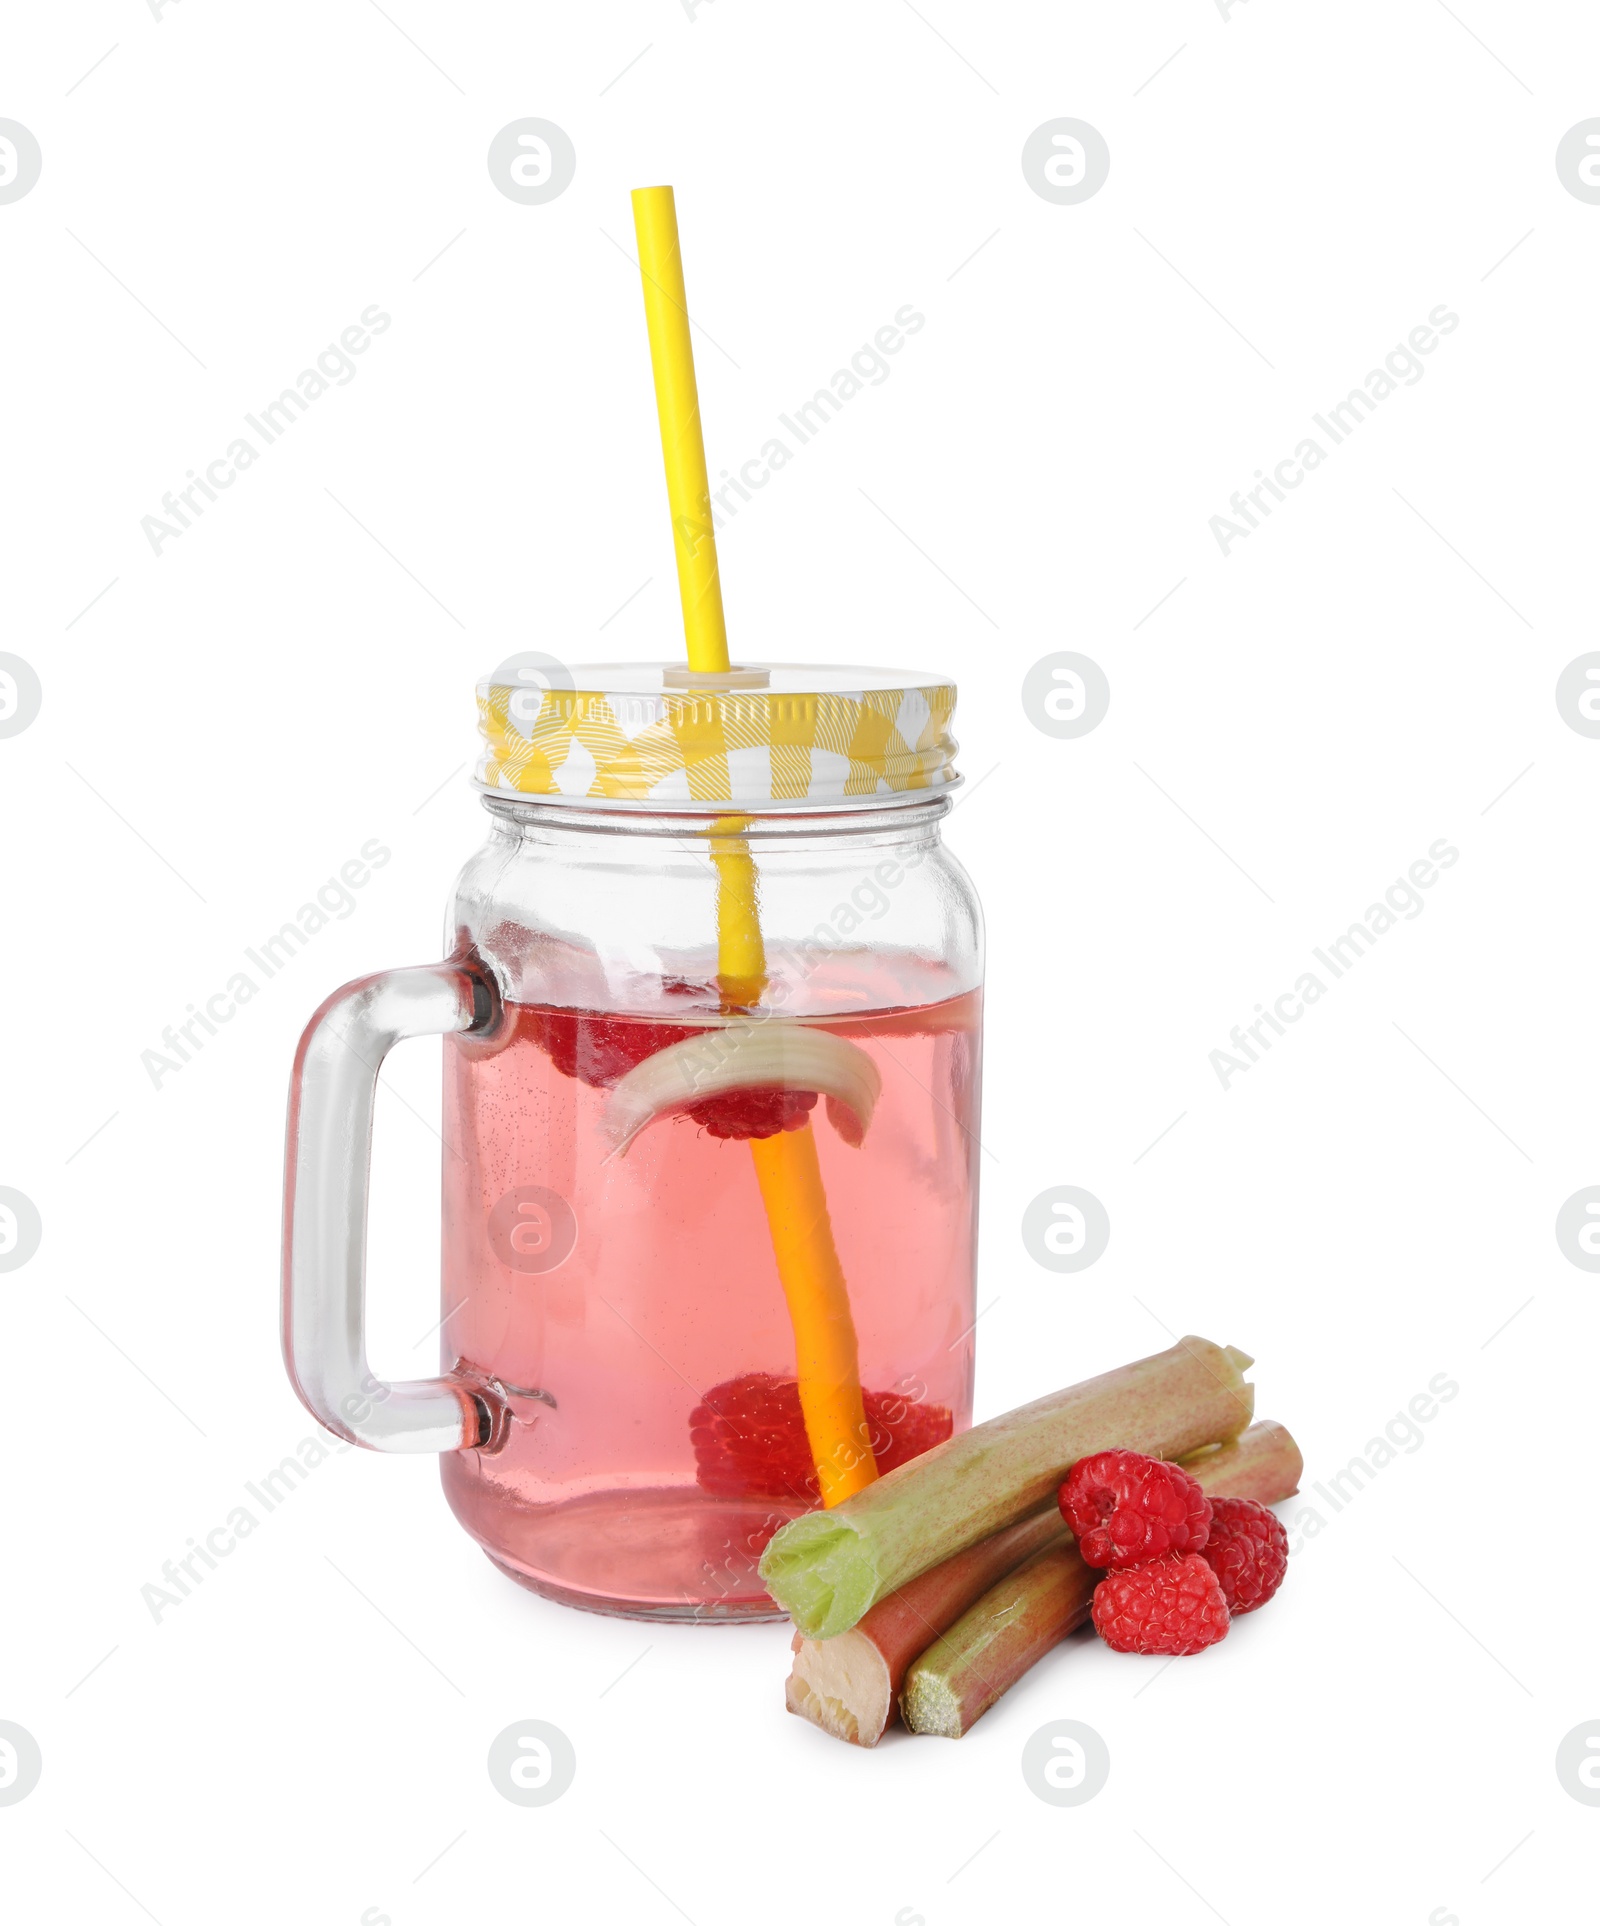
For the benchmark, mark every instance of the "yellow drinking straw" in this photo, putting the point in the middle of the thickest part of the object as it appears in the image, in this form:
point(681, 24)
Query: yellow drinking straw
point(683, 449)
point(787, 1168)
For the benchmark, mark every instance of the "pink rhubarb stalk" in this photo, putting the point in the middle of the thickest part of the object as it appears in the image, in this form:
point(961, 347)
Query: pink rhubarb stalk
point(848, 1685)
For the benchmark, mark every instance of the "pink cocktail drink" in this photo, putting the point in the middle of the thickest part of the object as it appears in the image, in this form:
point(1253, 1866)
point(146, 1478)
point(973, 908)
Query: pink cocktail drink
point(627, 1307)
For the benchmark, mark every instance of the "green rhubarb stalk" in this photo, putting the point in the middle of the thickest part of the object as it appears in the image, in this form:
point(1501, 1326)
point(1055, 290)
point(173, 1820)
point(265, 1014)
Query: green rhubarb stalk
point(1033, 1607)
point(829, 1567)
point(848, 1685)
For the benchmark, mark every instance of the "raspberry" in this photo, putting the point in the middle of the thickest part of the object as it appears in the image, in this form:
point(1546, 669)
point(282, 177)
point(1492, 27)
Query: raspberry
point(1127, 1509)
point(749, 1436)
point(1172, 1606)
point(1248, 1550)
point(759, 1112)
point(597, 1049)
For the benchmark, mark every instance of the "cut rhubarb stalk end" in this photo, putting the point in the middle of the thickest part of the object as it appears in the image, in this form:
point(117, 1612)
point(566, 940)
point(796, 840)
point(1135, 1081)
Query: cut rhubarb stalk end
point(826, 1570)
point(759, 1056)
point(848, 1685)
point(990, 1647)
point(1011, 1627)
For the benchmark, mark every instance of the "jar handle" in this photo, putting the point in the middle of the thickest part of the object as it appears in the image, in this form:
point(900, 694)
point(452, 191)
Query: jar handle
point(327, 1166)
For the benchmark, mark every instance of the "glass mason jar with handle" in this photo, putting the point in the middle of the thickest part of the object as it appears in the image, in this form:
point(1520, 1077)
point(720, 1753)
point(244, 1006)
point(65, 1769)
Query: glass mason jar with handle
point(712, 1021)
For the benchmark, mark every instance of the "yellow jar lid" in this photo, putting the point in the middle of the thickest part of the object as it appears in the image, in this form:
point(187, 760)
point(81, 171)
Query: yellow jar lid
point(764, 734)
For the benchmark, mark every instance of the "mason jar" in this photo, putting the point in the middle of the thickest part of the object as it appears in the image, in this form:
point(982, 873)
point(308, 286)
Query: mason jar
point(712, 1008)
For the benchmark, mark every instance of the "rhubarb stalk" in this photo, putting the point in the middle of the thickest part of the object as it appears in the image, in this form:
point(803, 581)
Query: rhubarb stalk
point(828, 1568)
point(848, 1685)
point(1034, 1606)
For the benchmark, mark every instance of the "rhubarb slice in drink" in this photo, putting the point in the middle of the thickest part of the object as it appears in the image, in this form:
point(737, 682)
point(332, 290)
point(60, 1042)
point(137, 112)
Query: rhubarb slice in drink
point(734, 1081)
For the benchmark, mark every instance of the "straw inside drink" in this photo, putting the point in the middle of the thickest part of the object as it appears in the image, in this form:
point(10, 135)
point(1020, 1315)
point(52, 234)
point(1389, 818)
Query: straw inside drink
point(741, 954)
point(787, 1166)
point(819, 1309)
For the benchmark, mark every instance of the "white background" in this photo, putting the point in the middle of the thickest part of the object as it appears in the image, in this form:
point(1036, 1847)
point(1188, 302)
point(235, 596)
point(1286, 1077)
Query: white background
point(1289, 730)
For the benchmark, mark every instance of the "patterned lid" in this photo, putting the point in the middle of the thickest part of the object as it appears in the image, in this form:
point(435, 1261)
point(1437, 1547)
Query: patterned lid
point(765, 735)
